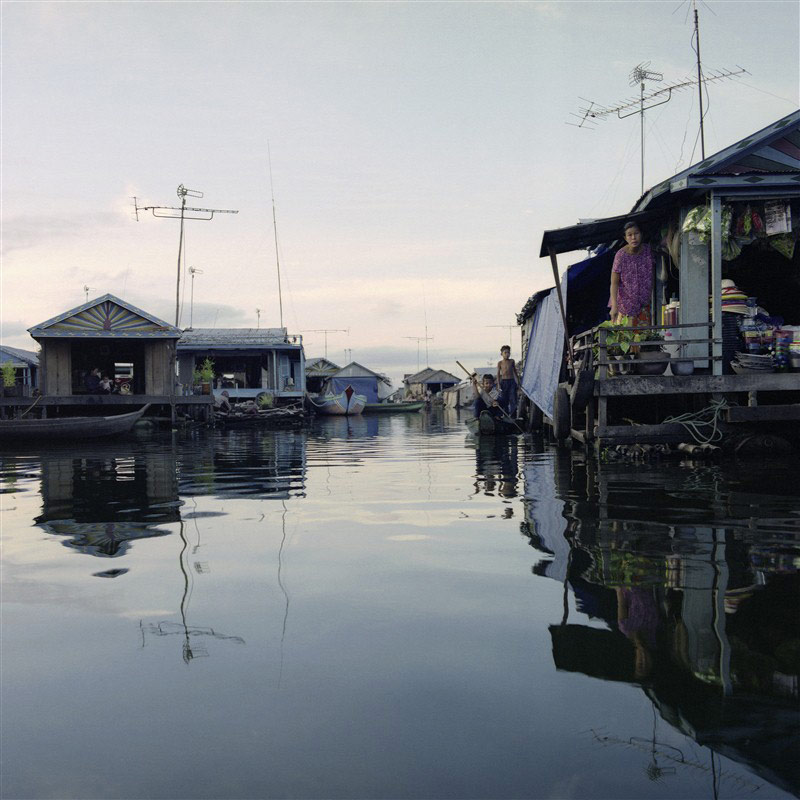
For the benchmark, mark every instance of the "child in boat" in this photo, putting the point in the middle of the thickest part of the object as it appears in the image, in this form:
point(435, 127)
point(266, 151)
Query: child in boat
point(507, 380)
point(485, 396)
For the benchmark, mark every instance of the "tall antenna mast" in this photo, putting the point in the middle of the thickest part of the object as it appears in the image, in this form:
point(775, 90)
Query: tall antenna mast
point(419, 339)
point(192, 271)
point(208, 213)
point(275, 228)
point(699, 81)
point(326, 331)
point(640, 74)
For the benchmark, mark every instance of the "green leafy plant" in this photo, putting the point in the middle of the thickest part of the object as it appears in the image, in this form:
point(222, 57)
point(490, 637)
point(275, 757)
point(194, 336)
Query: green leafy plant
point(265, 400)
point(196, 377)
point(207, 371)
point(9, 374)
point(618, 340)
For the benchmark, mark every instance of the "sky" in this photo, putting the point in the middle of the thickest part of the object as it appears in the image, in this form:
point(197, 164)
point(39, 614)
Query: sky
point(418, 151)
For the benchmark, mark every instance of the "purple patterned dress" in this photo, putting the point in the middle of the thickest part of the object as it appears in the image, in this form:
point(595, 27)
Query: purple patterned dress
point(635, 280)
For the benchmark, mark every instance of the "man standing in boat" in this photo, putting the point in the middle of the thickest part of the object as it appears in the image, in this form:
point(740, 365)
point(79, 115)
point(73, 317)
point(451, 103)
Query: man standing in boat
point(508, 381)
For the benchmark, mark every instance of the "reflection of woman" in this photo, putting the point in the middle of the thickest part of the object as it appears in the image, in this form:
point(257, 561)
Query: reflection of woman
point(632, 280)
point(637, 618)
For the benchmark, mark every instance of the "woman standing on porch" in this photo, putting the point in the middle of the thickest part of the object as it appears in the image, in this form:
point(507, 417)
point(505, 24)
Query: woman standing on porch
point(632, 280)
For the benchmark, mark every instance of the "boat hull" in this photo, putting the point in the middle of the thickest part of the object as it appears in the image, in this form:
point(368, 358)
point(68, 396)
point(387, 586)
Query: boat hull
point(487, 425)
point(22, 430)
point(392, 408)
point(346, 403)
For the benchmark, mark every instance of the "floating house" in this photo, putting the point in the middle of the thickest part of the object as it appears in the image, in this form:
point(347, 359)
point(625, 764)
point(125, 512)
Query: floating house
point(428, 380)
point(247, 362)
point(375, 386)
point(26, 367)
point(318, 370)
point(724, 230)
point(108, 334)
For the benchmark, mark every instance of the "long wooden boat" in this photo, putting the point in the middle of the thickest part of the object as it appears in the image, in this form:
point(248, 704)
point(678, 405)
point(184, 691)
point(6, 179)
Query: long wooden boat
point(487, 425)
point(19, 430)
point(392, 408)
point(346, 403)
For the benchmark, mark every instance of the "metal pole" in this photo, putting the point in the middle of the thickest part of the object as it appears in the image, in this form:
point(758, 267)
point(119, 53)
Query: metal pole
point(178, 282)
point(699, 85)
point(191, 303)
point(641, 115)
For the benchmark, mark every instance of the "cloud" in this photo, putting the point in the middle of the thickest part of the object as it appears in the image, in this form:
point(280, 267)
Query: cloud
point(28, 231)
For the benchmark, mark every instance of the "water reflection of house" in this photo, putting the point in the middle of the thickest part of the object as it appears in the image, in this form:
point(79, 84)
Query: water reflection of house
point(247, 362)
point(26, 367)
point(688, 607)
point(103, 497)
point(243, 462)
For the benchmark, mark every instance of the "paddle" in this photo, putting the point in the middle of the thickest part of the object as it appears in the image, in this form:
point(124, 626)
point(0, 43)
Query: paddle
point(488, 400)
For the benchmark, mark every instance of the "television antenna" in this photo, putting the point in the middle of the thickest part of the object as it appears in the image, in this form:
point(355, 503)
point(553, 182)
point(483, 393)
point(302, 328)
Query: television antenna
point(275, 229)
point(87, 289)
point(192, 271)
point(419, 339)
point(509, 328)
point(591, 113)
point(169, 212)
point(258, 319)
point(326, 331)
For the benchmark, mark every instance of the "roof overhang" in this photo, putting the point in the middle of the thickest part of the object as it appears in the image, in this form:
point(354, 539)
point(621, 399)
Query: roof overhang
point(591, 234)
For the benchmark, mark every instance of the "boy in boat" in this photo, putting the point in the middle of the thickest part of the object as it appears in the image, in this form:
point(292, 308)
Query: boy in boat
point(485, 396)
point(508, 380)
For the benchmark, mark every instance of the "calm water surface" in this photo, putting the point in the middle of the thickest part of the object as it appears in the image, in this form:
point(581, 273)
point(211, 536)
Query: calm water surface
point(378, 608)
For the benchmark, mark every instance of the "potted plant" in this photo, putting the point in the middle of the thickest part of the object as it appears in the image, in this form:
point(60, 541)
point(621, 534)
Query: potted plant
point(652, 359)
point(618, 346)
point(9, 374)
point(207, 375)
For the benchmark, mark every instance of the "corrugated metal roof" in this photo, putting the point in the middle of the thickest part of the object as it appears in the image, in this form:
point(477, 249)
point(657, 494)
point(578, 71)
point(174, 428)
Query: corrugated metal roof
point(432, 376)
point(237, 338)
point(106, 317)
point(356, 370)
point(16, 354)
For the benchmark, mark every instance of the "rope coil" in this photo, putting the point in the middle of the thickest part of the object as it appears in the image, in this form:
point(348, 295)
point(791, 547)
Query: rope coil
point(697, 423)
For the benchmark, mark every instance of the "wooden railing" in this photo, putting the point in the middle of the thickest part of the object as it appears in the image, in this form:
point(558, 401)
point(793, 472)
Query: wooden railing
point(590, 348)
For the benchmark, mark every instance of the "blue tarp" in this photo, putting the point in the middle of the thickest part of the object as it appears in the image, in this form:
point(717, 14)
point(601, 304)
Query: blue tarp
point(365, 386)
point(585, 287)
point(545, 352)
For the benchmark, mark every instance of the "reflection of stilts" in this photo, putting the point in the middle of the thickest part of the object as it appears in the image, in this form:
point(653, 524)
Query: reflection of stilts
point(190, 649)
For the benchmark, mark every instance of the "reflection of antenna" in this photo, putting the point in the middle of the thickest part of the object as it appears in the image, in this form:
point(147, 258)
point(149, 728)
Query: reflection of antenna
point(326, 331)
point(207, 214)
point(86, 290)
point(192, 271)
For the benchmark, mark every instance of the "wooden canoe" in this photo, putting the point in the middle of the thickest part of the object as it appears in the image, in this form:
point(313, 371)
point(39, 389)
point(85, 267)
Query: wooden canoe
point(487, 425)
point(390, 408)
point(21, 430)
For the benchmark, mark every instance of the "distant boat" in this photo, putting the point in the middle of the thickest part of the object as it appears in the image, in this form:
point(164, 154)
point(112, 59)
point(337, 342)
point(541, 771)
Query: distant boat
point(487, 425)
point(19, 430)
point(344, 403)
point(392, 408)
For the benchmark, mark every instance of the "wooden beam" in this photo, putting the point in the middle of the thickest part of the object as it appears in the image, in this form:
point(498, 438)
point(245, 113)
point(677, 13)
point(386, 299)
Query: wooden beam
point(764, 413)
point(622, 386)
point(671, 433)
